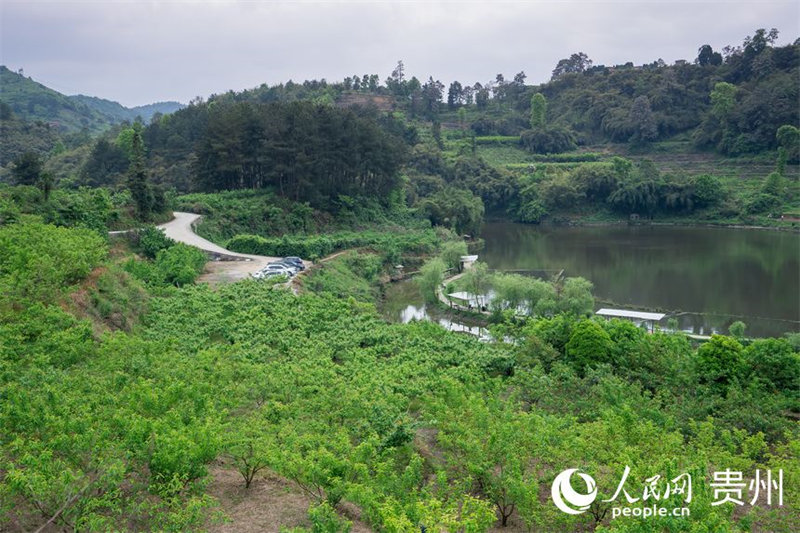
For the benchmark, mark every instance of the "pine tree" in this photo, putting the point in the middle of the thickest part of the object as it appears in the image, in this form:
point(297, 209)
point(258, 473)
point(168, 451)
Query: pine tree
point(137, 176)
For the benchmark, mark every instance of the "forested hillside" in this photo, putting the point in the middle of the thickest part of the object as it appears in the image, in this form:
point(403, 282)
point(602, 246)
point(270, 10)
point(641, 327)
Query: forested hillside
point(34, 102)
point(116, 112)
point(715, 139)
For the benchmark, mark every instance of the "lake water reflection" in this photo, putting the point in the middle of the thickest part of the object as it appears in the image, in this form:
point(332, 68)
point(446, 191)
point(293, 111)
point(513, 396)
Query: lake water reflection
point(705, 277)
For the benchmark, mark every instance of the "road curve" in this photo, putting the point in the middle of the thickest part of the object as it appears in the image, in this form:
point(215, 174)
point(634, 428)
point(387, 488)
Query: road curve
point(232, 267)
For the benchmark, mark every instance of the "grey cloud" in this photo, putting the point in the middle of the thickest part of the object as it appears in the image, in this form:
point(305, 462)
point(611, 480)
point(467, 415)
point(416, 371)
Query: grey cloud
point(139, 52)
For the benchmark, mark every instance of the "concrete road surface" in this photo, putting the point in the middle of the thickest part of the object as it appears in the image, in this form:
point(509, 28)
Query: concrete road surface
point(180, 229)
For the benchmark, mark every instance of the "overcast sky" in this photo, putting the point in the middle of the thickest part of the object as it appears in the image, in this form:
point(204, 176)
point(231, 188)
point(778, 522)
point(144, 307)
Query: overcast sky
point(146, 51)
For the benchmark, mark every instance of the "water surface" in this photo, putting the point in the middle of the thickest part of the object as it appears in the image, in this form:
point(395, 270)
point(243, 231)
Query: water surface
point(706, 278)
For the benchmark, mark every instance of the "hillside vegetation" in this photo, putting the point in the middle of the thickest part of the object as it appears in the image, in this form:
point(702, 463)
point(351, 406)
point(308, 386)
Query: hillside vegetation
point(408, 423)
point(32, 101)
point(125, 386)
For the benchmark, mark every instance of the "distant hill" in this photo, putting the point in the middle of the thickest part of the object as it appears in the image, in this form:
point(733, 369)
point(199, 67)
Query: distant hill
point(117, 112)
point(32, 101)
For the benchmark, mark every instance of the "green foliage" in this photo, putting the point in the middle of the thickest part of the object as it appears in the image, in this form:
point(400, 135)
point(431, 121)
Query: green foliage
point(789, 139)
point(177, 265)
point(707, 190)
point(28, 169)
point(549, 140)
point(39, 260)
point(737, 329)
point(589, 345)
point(317, 246)
point(477, 281)
point(775, 362)
point(324, 519)
point(576, 297)
point(719, 361)
point(453, 208)
point(180, 264)
point(150, 241)
point(451, 253)
point(538, 111)
point(138, 184)
point(431, 277)
point(351, 275)
point(254, 146)
point(497, 139)
point(414, 425)
point(723, 99)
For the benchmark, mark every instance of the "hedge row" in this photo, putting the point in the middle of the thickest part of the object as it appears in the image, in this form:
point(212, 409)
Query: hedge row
point(317, 246)
point(497, 139)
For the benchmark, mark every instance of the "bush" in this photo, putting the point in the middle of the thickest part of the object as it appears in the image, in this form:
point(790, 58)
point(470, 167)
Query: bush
point(719, 361)
point(588, 345)
point(180, 264)
point(775, 362)
point(177, 265)
point(151, 240)
point(551, 140)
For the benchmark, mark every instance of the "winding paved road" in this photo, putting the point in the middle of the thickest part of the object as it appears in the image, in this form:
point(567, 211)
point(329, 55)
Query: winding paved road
point(233, 266)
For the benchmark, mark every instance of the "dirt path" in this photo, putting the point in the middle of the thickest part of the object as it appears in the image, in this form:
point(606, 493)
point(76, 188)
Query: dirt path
point(269, 503)
point(226, 266)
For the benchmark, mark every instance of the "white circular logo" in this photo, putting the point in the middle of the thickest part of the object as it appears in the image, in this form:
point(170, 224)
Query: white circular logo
point(562, 490)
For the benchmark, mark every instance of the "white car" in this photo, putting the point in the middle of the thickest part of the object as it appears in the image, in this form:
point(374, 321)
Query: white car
point(271, 272)
point(288, 266)
point(277, 269)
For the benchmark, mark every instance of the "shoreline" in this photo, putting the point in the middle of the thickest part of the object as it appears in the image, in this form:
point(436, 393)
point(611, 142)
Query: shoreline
point(579, 224)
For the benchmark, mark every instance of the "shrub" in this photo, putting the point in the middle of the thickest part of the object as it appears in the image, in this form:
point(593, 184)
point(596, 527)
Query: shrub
point(180, 264)
point(589, 345)
point(151, 240)
point(551, 140)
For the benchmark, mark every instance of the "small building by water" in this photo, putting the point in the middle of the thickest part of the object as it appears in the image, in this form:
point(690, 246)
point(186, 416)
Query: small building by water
point(467, 262)
point(637, 317)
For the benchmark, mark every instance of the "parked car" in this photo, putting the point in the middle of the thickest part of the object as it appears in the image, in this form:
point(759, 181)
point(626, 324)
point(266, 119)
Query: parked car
point(294, 261)
point(288, 266)
point(273, 270)
point(280, 267)
point(275, 274)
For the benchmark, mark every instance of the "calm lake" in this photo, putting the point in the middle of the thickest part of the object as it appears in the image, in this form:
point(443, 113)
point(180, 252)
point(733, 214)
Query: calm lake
point(705, 277)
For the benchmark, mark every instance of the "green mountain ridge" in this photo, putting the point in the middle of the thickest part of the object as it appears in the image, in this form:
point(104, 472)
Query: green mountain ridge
point(117, 112)
point(32, 101)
